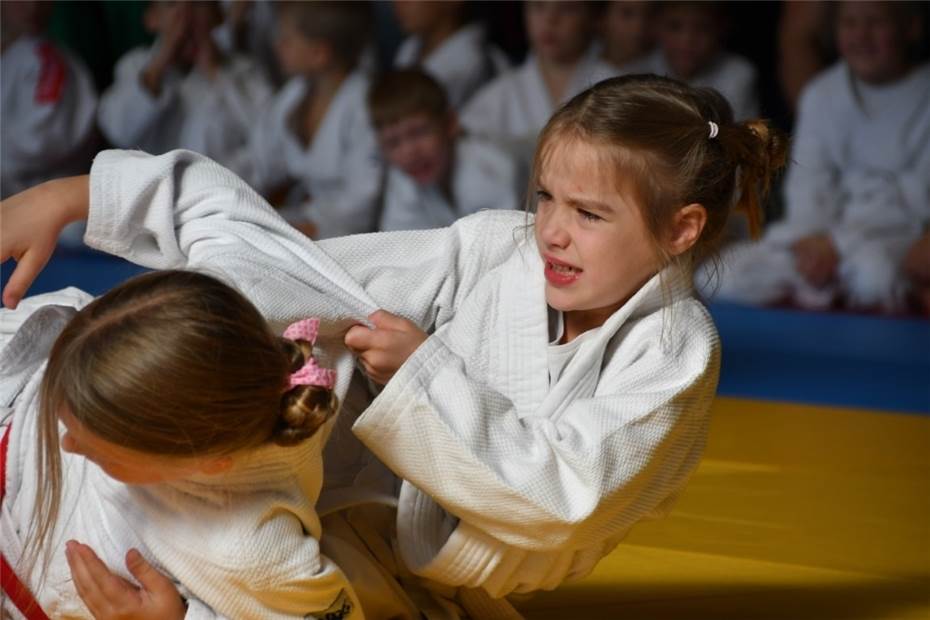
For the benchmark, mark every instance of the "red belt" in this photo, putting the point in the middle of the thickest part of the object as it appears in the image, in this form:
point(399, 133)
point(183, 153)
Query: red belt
point(12, 586)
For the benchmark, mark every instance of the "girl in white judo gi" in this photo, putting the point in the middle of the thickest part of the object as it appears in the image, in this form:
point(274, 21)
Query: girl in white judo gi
point(549, 376)
point(313, 151)
point(162, 440)
point(857, 193)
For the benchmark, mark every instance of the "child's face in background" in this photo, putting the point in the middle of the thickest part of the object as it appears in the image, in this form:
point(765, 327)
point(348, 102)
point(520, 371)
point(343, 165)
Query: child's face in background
point(297, 54)
point(559, 31)
point(421, 16)
point(130, 466)
point(689, 37)
point(627, 30)
point(420, 146)
point(873, 40)
point(197, 19)
point(591, 235)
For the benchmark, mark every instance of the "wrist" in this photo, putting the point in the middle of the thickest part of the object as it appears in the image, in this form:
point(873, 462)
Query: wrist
point(71, 195)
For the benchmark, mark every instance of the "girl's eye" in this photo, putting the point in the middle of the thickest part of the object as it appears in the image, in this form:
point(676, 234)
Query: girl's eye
point(543, 196)
point(590, 217)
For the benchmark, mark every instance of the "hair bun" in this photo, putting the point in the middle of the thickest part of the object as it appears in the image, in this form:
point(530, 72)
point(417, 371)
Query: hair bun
point(304, 408)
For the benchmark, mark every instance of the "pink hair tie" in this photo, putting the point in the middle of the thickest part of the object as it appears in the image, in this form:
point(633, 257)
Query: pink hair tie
point(310, 373)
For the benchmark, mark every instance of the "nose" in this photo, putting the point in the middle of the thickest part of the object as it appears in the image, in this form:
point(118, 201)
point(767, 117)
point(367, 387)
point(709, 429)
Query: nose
point(552, 224)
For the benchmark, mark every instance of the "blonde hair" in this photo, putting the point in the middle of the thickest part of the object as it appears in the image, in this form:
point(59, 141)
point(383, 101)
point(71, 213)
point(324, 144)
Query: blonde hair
point(655, 131)
point(176, 364)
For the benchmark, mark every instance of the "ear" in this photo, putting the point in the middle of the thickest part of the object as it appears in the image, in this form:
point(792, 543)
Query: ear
point(687, 226)
point(217, 465)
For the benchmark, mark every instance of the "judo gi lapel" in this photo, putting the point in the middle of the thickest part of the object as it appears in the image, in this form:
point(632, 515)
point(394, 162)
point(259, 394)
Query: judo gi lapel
point(521, 337)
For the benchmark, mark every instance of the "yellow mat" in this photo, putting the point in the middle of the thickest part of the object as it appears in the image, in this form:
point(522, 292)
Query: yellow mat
point(795, 512)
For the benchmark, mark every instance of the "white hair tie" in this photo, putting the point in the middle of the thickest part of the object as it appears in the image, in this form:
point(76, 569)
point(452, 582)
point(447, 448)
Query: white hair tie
point(714, 130)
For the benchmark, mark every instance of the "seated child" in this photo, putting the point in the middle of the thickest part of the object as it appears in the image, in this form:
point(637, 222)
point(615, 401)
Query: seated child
point(514, 107)
point(48, 100)
point(315, 143)
point(690, 37)
point(858, 189)
point(162, 440)
point(455, 53)
point(627, 32)
point(183, 92)
point(436, 175)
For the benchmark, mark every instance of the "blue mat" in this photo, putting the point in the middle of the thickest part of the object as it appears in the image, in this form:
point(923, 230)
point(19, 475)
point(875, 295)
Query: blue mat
point(843, 360)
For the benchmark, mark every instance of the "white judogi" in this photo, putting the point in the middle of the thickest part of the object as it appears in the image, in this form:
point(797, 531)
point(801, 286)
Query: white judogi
point(192, 111)
point(463, 63)
point(859, 172)
point(483, 177)
point(733, 76)
point(513, 108)
point(340, 170)
point(49, 104)
point(513, 482)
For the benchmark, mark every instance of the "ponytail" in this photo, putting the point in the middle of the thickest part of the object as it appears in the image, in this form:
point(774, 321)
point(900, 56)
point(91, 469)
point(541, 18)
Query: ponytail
point(758, 151)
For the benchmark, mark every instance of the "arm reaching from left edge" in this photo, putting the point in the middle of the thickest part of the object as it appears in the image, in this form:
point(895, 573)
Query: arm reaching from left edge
point(32, 221)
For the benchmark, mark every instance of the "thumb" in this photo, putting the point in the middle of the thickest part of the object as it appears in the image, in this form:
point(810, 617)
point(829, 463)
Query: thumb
point(358, 338)
point(382, 319)
point(150, 579)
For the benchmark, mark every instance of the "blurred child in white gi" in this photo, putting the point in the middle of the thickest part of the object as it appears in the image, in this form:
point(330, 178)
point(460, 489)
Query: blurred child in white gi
point(547, 377)
point(690, 39)
point(857, 191)
point(313, 151)
point(161, 457)
point(48, 99)
point(182, 92)
point(435, 175)
point(455, 53)
point(627, 32)
point(562, 62)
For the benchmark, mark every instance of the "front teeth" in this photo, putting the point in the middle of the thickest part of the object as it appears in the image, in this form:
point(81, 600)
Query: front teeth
point(562, 268)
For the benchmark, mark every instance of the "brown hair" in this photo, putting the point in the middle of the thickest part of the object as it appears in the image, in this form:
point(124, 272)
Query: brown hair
point(656, 131)
point(177, 364)
point(345, 26)
point(396, 95)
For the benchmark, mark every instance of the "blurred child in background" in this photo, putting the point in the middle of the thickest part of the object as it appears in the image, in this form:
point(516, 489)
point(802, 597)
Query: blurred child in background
point(562, 62)
point(48, 101)
point(455, 53)
point(858, 190)
point(182, 92)
point(690, 37)
point(435, 176)
point(315, 144)
point(627, 32)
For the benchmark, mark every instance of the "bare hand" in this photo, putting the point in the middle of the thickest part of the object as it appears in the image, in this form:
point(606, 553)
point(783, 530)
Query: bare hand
point(32, 221)
point(385, 348)
point(816, 259)
point(110, 597)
